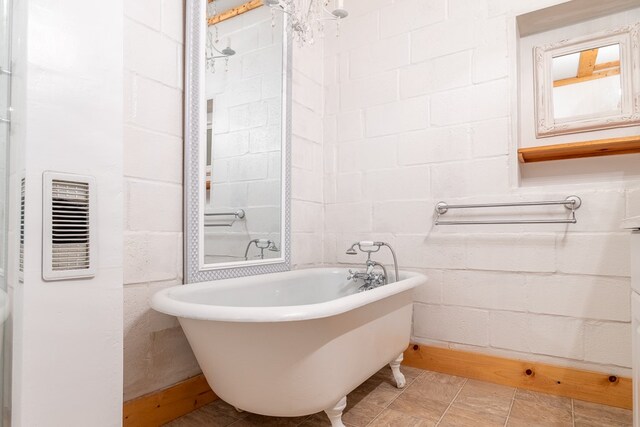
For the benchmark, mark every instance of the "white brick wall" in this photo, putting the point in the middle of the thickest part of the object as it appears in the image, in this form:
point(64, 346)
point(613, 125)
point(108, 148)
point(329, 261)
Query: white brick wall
point(156, 351)
point(156, 354)
point(416, 111)
point(409, 106)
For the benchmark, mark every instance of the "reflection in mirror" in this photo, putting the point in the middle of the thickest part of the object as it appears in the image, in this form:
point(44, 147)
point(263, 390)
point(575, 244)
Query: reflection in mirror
point(587, 83)
point(244, 135)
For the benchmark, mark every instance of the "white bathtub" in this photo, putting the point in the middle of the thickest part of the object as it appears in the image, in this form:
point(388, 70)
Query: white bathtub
point(293, 343)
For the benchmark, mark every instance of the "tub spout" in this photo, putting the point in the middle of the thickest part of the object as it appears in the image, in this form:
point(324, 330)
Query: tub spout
point(335, 413)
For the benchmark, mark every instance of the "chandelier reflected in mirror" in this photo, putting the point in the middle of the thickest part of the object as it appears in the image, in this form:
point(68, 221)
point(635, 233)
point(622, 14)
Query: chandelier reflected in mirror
point(306, 20)
point(212, 51)
point(307, 17)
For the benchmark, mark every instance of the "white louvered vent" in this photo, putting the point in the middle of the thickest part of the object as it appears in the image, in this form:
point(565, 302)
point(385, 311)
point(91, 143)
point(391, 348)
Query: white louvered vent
point(21, 255)
point(68, 228)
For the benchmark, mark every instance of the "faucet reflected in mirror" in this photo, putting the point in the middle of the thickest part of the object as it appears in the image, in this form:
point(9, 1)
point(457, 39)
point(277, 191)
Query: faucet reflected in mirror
point(261, 244)
point(370, 278)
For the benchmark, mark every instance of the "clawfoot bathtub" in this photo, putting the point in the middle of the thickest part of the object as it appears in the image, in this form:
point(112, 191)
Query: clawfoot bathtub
point(294, 343)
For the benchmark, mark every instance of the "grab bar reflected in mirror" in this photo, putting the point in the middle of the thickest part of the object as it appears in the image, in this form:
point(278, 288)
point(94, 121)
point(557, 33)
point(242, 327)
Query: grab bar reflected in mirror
point(239, 214)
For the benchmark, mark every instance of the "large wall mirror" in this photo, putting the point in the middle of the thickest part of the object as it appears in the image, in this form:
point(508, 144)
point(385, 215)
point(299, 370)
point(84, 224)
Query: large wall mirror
point(588, 83)
point(237, 133)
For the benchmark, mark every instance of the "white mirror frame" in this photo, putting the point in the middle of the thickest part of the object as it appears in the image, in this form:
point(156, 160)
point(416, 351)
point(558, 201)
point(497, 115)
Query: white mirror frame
point(194, 172)
point(628, 39)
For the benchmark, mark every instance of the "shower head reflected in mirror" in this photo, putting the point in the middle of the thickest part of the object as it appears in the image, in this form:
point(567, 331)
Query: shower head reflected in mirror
point(352, 250)
point(227, 51)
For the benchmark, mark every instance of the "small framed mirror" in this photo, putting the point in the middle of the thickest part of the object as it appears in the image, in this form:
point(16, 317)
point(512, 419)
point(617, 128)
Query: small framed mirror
point(237, 140)
point(588, 83)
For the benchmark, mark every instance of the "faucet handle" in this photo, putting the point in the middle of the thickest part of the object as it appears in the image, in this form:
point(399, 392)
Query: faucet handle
point(350, 276)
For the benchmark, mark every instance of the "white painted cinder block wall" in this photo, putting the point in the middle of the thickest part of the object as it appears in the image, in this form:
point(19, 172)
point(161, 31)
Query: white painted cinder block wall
point(418, 110)
point(409, 106)
point(156, 353)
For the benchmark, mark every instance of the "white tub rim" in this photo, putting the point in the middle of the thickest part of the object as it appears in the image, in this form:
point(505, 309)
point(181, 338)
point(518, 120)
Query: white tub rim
point(163, 302)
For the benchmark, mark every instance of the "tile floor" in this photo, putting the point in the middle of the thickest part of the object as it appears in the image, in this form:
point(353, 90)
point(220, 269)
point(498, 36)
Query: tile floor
point(431, 399)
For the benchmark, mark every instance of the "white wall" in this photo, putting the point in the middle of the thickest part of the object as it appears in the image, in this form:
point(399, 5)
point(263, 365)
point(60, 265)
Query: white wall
point(68, 118)
point(156, 353)
point(408, 107)
point(417, 111)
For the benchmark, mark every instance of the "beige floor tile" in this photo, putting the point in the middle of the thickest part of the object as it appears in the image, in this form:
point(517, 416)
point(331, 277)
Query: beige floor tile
point(253, 420)
point(207, 416)
point(416, 406)
point(429, 396)
point(464, 417)
point(391, 418)
point(436, 386)
point(478, 395)
point(222, 406)
point(533, 413)
point(362, 413)
point(320, 420)
point(480, 404)
point(316, 420)
point(592, 414)
point(544, 399)
point(380, 389)
point(383, 395)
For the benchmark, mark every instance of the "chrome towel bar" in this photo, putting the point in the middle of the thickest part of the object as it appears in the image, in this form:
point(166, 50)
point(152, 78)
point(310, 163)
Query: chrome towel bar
point(572, 203)
point(240, 214)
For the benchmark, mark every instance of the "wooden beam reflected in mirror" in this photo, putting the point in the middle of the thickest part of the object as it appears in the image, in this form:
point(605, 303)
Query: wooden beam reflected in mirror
point(593, 76)
point(235, 11)
point(587, 62)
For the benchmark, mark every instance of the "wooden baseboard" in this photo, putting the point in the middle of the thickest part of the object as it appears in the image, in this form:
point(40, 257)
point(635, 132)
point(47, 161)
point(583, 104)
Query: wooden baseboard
point(570, 382)
point(160, 407)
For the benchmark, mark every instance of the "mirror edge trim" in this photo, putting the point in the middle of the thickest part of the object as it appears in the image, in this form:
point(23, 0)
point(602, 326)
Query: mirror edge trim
point(194, 75)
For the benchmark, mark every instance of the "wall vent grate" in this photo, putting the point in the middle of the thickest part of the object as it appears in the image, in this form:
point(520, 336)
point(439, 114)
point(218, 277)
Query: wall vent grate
point(68, 229)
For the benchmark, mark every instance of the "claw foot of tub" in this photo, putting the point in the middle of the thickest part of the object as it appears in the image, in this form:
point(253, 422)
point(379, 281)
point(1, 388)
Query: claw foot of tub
point(238, 409)
point(397, 375)
point(335, 413)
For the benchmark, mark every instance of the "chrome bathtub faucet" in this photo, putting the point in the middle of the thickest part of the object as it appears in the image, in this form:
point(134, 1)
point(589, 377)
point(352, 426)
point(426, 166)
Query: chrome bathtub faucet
point(371, 278)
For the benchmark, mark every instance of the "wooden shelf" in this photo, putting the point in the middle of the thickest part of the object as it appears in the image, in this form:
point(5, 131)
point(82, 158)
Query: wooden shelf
point(576, 150)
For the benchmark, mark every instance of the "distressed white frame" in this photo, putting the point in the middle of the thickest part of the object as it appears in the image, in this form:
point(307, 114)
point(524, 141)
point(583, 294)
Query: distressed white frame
point(628, 39)
point(195, 270)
